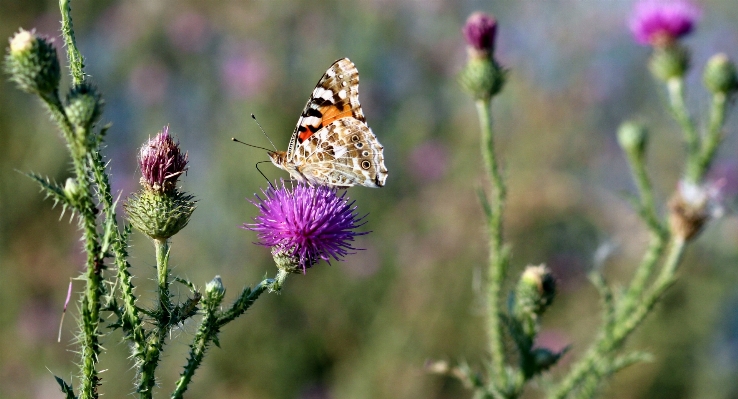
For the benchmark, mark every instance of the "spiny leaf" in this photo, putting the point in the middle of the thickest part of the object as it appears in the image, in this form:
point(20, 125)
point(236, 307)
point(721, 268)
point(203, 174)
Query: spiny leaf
point(65, 388)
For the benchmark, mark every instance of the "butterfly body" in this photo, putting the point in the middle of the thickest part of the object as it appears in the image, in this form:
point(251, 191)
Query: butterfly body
point(331, 144)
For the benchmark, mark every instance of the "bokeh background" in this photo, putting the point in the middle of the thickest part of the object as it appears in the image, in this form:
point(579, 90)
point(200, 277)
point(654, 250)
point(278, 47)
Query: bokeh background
point(363, 328)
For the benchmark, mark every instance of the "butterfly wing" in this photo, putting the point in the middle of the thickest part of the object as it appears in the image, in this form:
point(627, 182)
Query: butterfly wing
point(336, 96)
point(342, 154)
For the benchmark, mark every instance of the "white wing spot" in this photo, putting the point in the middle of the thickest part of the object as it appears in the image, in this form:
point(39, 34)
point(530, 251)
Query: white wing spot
point(320, 92)
point(311, 121)
point(342, 94)
point(344, 83)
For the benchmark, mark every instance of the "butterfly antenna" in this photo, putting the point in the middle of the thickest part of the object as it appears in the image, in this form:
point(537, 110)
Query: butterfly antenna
point(262, 130)
point(250, 145)
point(262, 173)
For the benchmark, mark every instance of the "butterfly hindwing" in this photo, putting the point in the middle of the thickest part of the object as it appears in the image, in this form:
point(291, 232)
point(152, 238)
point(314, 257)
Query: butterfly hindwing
point(343, 154)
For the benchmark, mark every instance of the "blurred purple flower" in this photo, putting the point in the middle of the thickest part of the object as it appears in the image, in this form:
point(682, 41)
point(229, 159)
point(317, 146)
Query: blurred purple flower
point(311, 223)
point(659, 22)
point(480, 31)
point(148, 83)
point(429, 161)
point(161, 162)
point(243, 75)
point(188, 31)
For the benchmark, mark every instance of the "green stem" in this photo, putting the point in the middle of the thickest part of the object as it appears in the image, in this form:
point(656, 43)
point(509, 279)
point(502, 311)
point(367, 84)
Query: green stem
point(163, 314)
point(678, 107)
point(210, 325)
point(497, 256)
point(714, 133)
point(643, 273)
point(76, 61)
point(607, 343)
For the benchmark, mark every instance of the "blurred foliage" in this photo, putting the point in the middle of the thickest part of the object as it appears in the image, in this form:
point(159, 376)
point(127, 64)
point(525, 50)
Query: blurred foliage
point(363, 328)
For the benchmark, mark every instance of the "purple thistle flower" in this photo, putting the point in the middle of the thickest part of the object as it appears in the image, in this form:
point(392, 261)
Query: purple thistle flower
point(660, 22)
point(307, 223)
point(480, 31)
point(161, 162)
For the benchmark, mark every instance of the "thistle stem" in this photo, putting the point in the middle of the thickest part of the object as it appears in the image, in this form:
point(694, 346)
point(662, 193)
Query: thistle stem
point(714, 133)
point(497, 257)
point(162, 314)
point(678, 107)
point(76, 61)
point(210, 325)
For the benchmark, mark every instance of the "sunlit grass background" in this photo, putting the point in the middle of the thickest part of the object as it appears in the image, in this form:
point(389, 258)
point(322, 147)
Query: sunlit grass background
point(364, 327)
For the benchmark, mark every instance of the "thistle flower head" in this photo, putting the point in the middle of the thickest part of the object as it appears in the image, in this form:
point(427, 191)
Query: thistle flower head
point(159, 209)
point(480, 31)
point(161, 162)
point(304, 224)
point(661, 22)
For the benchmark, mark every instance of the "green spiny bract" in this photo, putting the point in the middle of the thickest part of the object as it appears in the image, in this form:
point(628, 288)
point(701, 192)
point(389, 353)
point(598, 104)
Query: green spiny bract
point(160, 215)
point(482, 77)
point(669, 62)
point(32, 64)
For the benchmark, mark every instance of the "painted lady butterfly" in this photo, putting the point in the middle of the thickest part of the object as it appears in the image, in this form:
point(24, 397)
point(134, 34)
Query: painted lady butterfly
point(331, 144)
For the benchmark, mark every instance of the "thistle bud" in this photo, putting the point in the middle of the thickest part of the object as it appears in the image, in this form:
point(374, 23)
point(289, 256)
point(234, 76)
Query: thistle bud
point(536, 290)
point(32, 63)
point(482, 76)
point(214, 290)
point(669, 62)
point(71, 189)
point(84, 106)
point(633, 139)
point(720, 75)
point(162, 162)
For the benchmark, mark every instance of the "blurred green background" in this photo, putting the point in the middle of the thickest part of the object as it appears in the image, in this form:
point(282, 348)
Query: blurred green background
point(363, 328)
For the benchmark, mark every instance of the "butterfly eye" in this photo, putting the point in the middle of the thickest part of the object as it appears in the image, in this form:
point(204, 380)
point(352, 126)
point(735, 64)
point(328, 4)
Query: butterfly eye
point(355, 139)
point(365, 164)
point(359, 145)
point(365, 153)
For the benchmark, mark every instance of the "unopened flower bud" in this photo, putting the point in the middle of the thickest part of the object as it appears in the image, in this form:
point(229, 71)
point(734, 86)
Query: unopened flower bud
point(71, 189)
point(633, 138)
point(544, 358)
point(32, 63)
point(669, 62)
point(536, 289)
point(720, 75)
point(84, 106)
point(214, 290)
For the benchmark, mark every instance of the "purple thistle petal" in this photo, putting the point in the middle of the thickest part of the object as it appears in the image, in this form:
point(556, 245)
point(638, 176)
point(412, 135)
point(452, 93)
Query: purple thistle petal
point(162, 162)
point(311, 223)
point(657, 21)
point(480, 31)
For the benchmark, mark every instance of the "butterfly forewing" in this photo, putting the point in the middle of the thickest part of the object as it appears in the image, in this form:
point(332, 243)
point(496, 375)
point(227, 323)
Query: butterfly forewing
point(332, 145)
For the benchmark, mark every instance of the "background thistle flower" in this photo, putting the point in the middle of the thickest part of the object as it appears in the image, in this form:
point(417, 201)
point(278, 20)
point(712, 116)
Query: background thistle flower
point(659, 23)
point(481, 76)
point(159, 210)
point(305, 224)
